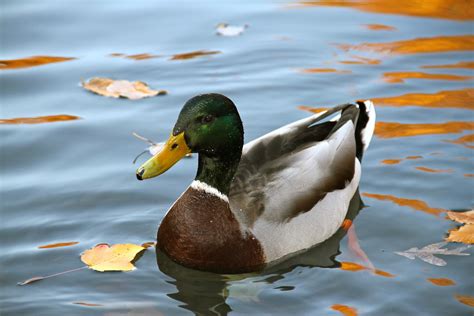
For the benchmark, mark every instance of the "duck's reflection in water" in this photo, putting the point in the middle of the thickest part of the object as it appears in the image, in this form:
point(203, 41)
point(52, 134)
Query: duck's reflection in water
point(205, 293)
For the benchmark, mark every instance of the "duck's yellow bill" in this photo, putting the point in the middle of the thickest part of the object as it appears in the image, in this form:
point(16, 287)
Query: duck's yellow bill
point(174, 149)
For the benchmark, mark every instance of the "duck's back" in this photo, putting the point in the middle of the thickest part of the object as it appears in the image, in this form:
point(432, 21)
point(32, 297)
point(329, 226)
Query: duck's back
point(293, 186)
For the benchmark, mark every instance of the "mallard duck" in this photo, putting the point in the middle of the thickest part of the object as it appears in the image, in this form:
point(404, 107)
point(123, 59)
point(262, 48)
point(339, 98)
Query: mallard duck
point(253, 205)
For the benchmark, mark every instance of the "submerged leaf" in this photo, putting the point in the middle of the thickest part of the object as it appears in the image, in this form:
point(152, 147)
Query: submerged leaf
point(427, 253)
point(120, 88)
point(119, 257)
point(225, 29)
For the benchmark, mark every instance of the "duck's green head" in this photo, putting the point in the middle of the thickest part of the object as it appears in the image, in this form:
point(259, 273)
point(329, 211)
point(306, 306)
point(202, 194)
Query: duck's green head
point(208, 124)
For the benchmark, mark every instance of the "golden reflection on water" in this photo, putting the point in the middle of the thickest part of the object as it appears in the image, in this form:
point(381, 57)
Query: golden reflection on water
point(395, 130)
point(442, 9)
point(437, 44)
point(379, 27)
point(464, 140)
point(39, 119)
point(411, 203)
point(32, 61)
point(462, 99)
point(361, 61)
point(136, 56)
point(399, 77)
point(461, 64)
point(324, 70)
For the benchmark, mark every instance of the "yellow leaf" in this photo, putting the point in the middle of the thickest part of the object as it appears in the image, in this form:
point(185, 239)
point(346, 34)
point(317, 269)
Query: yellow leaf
point(462, 217)
point(119, 257)
point(120, 88)
point(464, 234)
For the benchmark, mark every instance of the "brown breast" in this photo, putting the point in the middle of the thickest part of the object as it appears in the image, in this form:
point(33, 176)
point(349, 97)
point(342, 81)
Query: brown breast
point(201, 232)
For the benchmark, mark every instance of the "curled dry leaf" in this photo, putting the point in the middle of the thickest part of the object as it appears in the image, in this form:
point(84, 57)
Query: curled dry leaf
point(119, 257)
point(225, 29)
point(121, 88)
point(464, 234)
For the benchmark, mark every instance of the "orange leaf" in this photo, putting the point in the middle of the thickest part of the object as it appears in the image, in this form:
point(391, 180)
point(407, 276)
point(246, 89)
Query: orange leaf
point(465, 299)
point(345, 310)
point(464, 234)
point(442, 281)
point(119, 257)
point(462, 217)
point(60, 244)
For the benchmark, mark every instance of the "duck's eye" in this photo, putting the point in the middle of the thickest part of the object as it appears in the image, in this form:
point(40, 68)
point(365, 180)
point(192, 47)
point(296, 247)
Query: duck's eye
point(207, 119)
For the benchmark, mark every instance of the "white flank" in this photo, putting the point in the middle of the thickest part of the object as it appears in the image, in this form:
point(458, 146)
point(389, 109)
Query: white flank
point(202, 186)
point(368, 131)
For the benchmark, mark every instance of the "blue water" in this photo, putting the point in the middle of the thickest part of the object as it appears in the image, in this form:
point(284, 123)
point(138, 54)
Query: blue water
point(75, 181)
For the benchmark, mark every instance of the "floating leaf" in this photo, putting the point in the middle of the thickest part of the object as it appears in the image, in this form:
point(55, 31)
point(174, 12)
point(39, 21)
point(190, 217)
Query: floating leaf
point(136, 56)
point(40, 119)
point(345, 310)
point(60, 244)
point(121, 88)
point(441, 281)
point(119, 257)
point(427, 253)
point(462, 217)
point(464, 234)
point(414, 204)
point(466, 299)
point(461, 99)
point(198, 53)
point(379, 27)
point(225, 29)
point(31, 62)
point(461, 64)
point(400, 77)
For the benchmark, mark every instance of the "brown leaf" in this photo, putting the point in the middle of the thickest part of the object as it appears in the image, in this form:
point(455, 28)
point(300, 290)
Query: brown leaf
point(31, 62)
point(462, 217)
point(34, 279)
point(194, 54)
point(414, 204)
point(39, 119)
point(60, 244)
point(119, 257)
point(464, 234)
point(441, 281)
point(121, 88)
point(345, 310)
point(465, 299)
